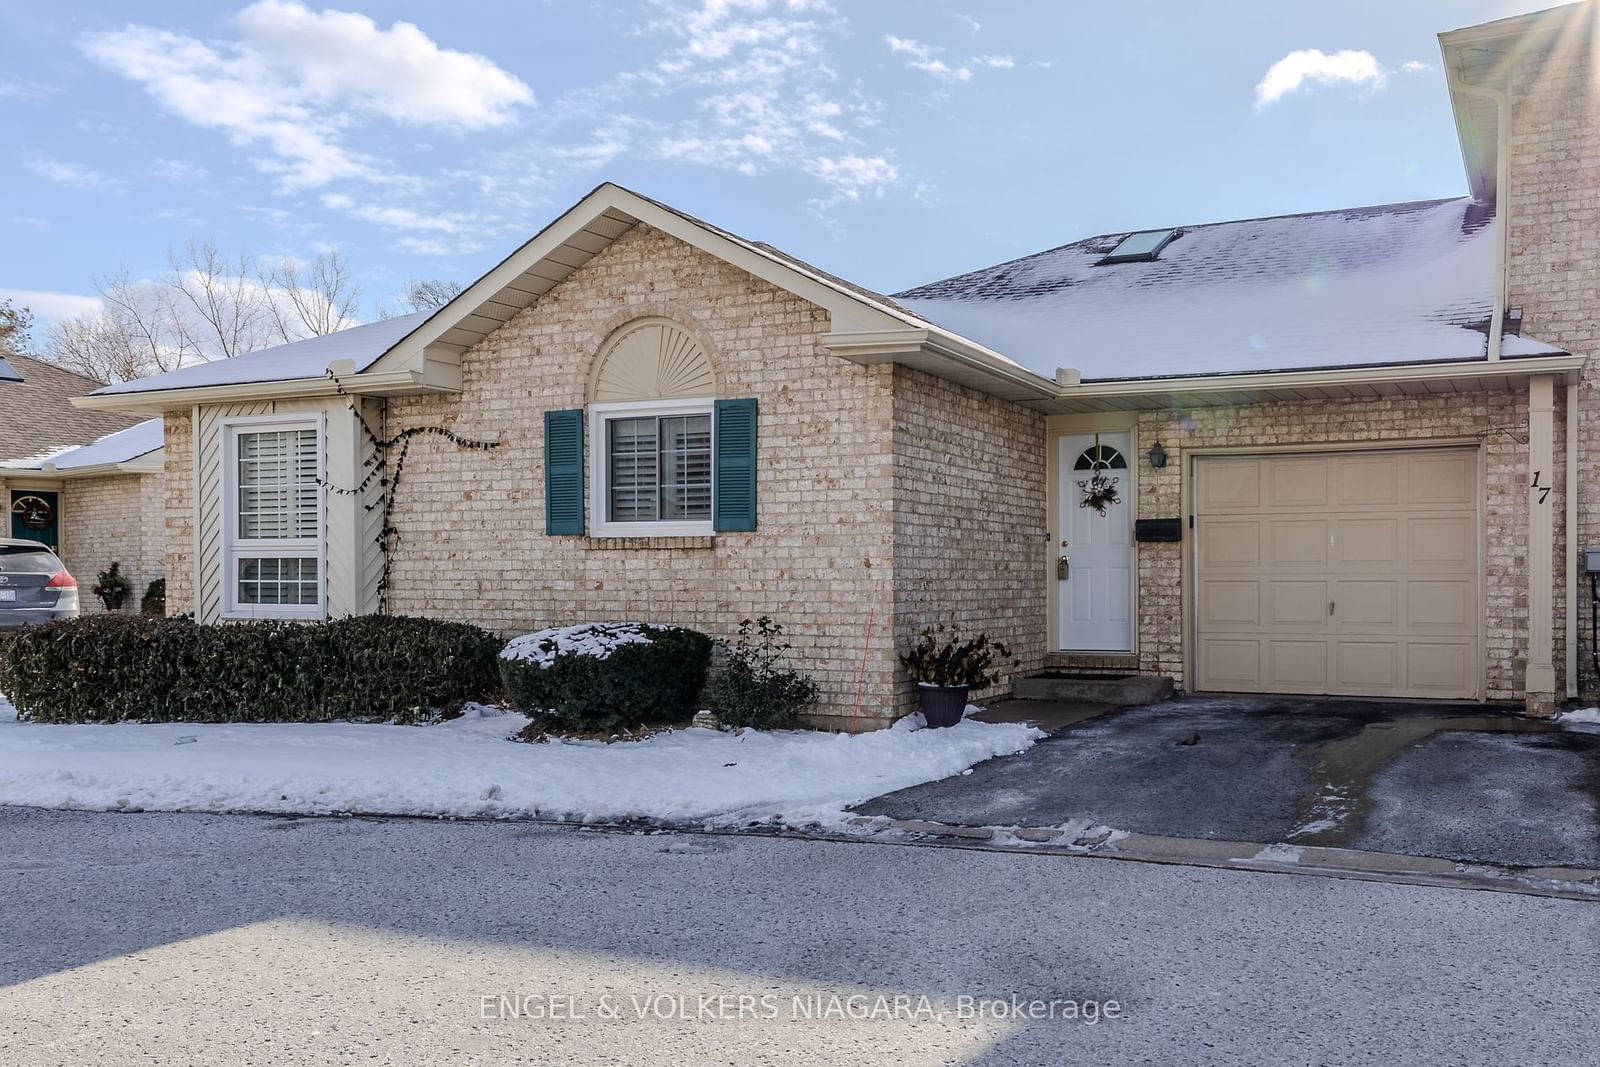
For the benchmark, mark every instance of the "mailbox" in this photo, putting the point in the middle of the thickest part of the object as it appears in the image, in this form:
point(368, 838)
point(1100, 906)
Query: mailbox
point(1158, 530)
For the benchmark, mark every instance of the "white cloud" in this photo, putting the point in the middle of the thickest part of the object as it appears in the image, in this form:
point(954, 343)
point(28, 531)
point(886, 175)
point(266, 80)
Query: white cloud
point(1314, 65)
point(394, 217)
point(1416, 66)
point(178, 170)
point(74, 175)
point(50, 307)
point(33, 221)
point(925, 57)
point(754, 84)
point(294, 80)
point(973, 24)
point(851, 177)
point(915, 49)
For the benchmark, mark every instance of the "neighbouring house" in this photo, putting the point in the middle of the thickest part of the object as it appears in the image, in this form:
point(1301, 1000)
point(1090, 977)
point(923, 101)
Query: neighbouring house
point(1338, 452)
point(90, 484)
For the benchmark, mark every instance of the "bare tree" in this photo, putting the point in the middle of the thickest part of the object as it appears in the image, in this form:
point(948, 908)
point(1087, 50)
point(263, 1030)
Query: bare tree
point(97, 346)
point(309, 300)
point(423, 294)
point(16, 328)
point(148, 320)
point(226, 313)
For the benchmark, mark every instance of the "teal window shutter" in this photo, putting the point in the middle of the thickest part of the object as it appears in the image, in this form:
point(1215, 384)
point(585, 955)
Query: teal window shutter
point(563, 472)
point(734, 509)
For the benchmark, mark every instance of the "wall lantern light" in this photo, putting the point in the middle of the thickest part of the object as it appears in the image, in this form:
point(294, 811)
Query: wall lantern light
point(1158, 456)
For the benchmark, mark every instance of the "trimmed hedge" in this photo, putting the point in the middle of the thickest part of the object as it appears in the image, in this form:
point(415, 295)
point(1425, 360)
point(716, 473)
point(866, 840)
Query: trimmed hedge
point(111, 668)
point(635, 683)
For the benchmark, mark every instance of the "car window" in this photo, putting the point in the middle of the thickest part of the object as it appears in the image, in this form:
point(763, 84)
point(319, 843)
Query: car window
point(21, 560)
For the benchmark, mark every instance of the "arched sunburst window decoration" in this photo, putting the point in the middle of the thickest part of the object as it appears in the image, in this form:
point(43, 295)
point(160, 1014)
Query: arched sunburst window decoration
point(652, 359)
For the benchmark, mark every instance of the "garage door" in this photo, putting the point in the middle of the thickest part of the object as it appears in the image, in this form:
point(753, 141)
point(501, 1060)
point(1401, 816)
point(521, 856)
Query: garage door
point(1348, 573)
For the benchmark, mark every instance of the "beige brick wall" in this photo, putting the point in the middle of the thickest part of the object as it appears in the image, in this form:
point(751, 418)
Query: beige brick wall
point(969, 516)
point(473, 545)
point(116, 517)
point(1162, 606)
point(1555, 268)
point(178, 519)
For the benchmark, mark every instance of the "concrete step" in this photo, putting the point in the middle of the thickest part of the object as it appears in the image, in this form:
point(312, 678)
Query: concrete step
point(1121, 690)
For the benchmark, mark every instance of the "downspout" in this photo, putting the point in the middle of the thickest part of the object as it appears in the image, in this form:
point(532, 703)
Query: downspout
point(1574, 553)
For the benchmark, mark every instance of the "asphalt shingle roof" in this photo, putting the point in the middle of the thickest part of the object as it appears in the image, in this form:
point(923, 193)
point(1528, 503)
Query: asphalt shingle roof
point(1397, 283)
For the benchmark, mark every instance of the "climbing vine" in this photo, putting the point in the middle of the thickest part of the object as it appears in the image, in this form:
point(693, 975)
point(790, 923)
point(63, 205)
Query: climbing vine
point(388, 477)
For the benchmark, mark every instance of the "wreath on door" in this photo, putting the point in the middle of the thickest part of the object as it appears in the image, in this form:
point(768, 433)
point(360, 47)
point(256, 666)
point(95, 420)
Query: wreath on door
point(1099, 490)
point(34, 511)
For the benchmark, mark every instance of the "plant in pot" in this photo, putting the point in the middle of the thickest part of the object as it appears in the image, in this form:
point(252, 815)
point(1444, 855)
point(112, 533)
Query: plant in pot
point(112, 587)
point(946, 669)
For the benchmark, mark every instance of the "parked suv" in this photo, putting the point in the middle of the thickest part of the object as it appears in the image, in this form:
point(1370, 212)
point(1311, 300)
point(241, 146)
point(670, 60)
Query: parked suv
point(34, 586)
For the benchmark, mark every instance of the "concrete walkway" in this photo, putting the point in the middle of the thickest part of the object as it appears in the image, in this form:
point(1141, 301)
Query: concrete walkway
point(1459, 782)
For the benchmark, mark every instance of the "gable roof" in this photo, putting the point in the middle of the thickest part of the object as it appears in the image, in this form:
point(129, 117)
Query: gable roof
point(37, 414)
point(362, 345)
point(1395, 284)
point(139, 442)
point(422, 352)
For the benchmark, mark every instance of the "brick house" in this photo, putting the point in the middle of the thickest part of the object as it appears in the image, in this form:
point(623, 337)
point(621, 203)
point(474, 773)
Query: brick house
point(87, 483)
point(1327, 453)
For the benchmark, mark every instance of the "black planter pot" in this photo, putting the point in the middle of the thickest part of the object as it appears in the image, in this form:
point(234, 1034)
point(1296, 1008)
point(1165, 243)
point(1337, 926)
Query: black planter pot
point(943, 705)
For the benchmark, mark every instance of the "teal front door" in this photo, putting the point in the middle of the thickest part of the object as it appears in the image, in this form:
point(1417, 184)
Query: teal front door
point(36, 516)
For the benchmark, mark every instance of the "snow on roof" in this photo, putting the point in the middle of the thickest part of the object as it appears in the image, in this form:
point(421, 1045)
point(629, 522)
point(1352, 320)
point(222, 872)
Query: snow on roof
point(1400, 283)
point(120, 447)
point(300, 359)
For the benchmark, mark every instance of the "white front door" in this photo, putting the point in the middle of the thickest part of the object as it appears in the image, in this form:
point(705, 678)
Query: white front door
point(1095, 597)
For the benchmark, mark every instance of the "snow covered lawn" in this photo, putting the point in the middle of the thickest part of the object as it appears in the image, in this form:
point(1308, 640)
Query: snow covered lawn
point(467, 767)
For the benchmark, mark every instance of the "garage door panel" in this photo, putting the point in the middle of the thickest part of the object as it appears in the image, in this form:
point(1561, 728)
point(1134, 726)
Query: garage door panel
point(1441, 605)
point(1297, 483)
point(1436, 667)
point(1343, 573)
point(1230, 604)
point(1297, 666)
point(1369, 481)
point(1448, 541)
point(1297, 542)
point(1442, 478)
point(1231, 485)
point(1231, 664)
point(1367, 602)
point(1369, 542)
point(1366, 666)
point(1230, 543)
point(1298, 603)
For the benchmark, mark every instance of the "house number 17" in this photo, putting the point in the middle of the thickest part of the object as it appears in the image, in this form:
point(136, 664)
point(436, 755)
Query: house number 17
point(1544, 490)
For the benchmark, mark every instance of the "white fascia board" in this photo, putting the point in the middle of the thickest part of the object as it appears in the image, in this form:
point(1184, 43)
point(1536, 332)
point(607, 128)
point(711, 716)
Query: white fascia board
point(155, 402)
point(1345, 376)
point(921, 347)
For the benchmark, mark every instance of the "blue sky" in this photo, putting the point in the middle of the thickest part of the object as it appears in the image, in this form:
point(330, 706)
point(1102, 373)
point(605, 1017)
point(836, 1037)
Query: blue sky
point(892, 142)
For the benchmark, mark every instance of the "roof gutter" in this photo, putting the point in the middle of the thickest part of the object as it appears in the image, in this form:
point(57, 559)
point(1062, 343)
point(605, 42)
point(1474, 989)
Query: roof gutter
point(1346, 377)
point(155, 401)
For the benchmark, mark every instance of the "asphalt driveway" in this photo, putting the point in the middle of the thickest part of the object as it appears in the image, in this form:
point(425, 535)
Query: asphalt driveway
point(1454, 781)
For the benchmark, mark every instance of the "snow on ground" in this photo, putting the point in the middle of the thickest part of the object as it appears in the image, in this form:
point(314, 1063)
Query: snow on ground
point(467, 767)
point(1581, 717)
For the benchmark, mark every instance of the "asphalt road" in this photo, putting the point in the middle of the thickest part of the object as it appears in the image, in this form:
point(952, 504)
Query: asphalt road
point(192, 939)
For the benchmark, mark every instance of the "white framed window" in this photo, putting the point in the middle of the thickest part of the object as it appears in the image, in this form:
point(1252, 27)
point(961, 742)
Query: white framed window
point(650, 465)
point(272, 525)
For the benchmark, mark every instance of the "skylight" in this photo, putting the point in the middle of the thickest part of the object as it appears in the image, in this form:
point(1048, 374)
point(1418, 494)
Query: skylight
point(7, 374)
point(1139, 247)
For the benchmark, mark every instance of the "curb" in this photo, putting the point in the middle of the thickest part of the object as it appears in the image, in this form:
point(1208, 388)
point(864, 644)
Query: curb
point(1101, 842)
